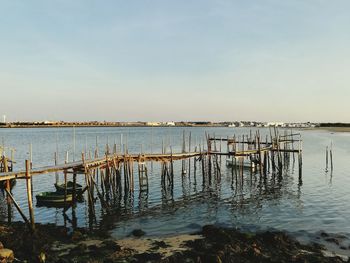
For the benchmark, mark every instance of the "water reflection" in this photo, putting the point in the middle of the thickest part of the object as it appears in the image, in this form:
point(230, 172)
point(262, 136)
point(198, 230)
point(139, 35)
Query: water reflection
point(242, 196)
point(3, 204)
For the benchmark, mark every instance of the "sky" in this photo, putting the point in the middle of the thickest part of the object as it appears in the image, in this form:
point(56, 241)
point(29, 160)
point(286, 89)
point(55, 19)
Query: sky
point(162, 60)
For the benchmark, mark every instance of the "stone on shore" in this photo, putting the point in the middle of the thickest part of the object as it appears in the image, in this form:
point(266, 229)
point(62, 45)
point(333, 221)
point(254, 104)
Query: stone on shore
point(6, 255)
point(138, 232)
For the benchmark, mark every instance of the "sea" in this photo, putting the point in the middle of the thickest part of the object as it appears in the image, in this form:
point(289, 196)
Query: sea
point(306, 204)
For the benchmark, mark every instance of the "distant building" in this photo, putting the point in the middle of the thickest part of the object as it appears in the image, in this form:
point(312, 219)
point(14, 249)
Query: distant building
point(276, 124)
point(153, 123)
point(170, 123)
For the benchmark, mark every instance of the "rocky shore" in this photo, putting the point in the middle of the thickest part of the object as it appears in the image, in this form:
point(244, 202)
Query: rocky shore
point(50, 243)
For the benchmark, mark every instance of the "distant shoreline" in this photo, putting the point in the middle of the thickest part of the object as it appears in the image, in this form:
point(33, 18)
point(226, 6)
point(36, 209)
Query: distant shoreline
point(330, 129)
point(121, 125)
point(106, 126)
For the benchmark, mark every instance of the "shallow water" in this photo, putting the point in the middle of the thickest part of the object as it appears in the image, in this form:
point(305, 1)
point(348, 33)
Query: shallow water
point(320, 201)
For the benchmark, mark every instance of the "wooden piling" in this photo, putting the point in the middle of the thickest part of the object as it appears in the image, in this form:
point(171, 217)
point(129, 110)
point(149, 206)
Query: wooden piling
point(189, 159)
point(326, 158)
point(8, 190)
point(300, 158)
point(259, 153)
point(331, 156)
point(29, 194)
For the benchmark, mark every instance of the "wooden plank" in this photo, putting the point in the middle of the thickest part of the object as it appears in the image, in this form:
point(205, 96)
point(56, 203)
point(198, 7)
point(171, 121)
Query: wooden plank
point(93, 163)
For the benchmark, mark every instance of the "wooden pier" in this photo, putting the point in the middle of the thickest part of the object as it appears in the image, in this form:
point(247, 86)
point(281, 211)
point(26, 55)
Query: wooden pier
point(112, 175)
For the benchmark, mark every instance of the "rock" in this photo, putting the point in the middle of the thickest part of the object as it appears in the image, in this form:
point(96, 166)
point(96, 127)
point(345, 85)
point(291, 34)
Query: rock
point(159, 244)
point(333, 240)
point(6, 254)
point(76, 236)
point(1, 246)
point(42, 257)
point(138, 232)
point(93, 247)
point(324, 234)
point(146, 257)
point(110, 244)
point(217, 234)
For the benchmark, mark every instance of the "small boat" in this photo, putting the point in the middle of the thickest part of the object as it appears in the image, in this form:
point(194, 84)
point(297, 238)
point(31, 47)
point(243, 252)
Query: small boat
point(53, 198)
point(60, 188)
point(238, 162)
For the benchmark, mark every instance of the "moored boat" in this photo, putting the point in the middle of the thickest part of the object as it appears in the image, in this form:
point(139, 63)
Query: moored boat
point(238, 162)
point(61, 187)
point(53, 198)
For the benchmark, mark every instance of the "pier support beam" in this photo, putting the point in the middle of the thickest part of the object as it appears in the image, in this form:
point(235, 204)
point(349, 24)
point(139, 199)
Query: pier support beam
point(29, 195)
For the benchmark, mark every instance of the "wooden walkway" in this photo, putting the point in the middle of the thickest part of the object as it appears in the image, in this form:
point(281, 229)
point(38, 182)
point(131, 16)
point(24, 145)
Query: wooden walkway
point(99, 162)
point(95, 163)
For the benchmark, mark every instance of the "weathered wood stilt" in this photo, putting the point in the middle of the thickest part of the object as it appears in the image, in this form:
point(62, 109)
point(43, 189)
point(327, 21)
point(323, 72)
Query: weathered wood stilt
point(29, 194)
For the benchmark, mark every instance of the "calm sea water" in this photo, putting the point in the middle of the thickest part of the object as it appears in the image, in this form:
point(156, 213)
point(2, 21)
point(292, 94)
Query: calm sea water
point(321, 201)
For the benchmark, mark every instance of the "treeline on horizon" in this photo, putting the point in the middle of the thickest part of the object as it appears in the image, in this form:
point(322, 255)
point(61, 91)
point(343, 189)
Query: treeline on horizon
point(334, 124)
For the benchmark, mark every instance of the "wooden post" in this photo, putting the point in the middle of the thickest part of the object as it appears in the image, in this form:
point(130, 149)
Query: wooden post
point(9, 207)
point(56, 163)
point(236, 168)
point(232, 167)
point(139, 173)
point(73, 143)
point(220, 155)
point(126, 182)
point(31, 166)
point(183, 170)
point(265, 164)
point(242, 160)
point(326, 158)
point(195, 167)
point(29, 195)
point(12, 160)
point(292, 137)
point(131, 161)
point(8, 189)
point(203, 169)
point(208, 156)
point(65, 181)
point(172, 168)
point(331, 156)
point(259, 154)
point(300, 158)
point(189, 159)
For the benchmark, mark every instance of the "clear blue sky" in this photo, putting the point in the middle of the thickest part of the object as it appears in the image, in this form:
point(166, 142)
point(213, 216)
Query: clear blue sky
point(163, 60)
